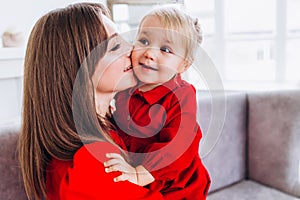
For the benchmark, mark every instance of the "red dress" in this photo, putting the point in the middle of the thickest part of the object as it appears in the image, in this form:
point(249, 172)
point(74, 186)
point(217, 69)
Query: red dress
point(84, 178)
point(160, 130)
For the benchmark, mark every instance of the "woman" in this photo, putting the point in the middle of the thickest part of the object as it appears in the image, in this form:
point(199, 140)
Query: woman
point(74, 59)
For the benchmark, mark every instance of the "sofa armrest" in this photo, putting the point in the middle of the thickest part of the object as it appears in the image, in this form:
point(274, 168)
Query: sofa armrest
point(274, 139)
point(226, 161)
point(11, 184)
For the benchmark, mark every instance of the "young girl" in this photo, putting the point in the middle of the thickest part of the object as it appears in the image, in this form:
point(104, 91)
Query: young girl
point(157, 119)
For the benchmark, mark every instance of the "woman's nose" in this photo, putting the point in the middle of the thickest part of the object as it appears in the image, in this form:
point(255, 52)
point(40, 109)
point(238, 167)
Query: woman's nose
point(129, 49)
point(126, 47)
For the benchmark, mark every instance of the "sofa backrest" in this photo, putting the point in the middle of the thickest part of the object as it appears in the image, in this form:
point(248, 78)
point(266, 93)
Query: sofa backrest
point(226, 162)
point(274, 139)
point(11, 184)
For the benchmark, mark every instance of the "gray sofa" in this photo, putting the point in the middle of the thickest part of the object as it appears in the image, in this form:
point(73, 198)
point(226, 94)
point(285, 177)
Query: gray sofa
point(256, 156)
point(11, 185)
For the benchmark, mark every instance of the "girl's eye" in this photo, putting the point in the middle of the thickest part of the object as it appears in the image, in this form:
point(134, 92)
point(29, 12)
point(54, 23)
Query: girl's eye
point(166, 49)
point(144, 41)
point(116, 47)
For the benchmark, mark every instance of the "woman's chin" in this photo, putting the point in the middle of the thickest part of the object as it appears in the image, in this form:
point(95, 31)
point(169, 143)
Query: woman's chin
point(126, 82)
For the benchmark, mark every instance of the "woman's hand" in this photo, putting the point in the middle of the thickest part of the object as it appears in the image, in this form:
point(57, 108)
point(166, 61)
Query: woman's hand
point(117, 163)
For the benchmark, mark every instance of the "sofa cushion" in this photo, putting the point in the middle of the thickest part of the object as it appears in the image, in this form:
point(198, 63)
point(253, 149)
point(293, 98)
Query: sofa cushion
point(11, 184)
point(249, 190)
point(274, 136)
point(226, 161)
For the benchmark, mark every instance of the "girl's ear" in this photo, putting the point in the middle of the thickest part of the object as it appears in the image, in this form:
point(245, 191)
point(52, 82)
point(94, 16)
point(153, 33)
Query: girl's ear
point(186, 65)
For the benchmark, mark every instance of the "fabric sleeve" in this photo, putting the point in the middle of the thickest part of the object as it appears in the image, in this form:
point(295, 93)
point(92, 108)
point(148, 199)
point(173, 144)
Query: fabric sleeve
point(86, 178)
point(179, 139)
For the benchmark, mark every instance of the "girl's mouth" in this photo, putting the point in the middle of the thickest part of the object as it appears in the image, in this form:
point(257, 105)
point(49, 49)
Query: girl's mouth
point(148, 67)
point(128, 68)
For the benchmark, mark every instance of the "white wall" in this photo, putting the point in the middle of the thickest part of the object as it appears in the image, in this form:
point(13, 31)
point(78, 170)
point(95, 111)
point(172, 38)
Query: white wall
point(19, 15)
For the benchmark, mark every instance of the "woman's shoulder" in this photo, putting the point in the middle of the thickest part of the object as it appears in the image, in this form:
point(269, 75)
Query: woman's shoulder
point(91, 152)
point(86, 177)
point(95, 151)
point(66, 177)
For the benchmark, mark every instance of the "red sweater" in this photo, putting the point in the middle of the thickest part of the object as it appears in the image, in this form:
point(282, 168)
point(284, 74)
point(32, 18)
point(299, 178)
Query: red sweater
point(160, 130)
point(84, 178)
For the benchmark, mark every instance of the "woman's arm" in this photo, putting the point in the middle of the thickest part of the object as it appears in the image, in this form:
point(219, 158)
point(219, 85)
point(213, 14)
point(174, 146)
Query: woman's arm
point(87, 179)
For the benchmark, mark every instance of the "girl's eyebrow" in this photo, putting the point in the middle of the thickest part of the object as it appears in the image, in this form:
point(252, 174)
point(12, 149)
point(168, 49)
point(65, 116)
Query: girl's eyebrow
point(168, 41)
point(164, 39)
point(144, 32)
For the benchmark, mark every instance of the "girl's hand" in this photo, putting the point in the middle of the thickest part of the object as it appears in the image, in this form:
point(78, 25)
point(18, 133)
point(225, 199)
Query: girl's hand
point(117, 163)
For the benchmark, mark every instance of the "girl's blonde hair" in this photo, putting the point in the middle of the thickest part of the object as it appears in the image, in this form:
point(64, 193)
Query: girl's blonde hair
point(183, 24)
point(58, 45)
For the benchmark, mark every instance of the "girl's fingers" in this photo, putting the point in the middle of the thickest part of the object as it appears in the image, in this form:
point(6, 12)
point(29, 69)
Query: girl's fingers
point(116, 168)
point(114, 155)
point(112, 162)
point(122, 177)
point(113, 168)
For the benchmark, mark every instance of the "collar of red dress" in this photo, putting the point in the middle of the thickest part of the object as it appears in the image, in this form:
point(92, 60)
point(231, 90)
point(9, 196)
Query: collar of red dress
point(157, 93)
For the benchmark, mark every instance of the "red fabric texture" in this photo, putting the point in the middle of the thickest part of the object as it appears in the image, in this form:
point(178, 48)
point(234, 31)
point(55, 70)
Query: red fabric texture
point(84, 178)
point(160, 131)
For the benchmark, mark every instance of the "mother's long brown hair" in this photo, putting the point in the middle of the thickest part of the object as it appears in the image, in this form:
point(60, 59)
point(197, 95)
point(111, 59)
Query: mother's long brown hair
point(58, 45)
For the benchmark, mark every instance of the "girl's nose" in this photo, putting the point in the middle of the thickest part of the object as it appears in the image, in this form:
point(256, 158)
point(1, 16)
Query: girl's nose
point(150, 53)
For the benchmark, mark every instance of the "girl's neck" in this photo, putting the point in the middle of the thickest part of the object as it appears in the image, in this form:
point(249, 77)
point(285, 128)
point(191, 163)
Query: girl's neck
point(145, 87)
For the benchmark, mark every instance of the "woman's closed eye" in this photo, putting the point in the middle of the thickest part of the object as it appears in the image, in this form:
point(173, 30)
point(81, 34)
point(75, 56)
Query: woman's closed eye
point(115, 47)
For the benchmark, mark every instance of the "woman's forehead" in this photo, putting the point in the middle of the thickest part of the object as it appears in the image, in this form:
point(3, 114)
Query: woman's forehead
point(110, 26)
